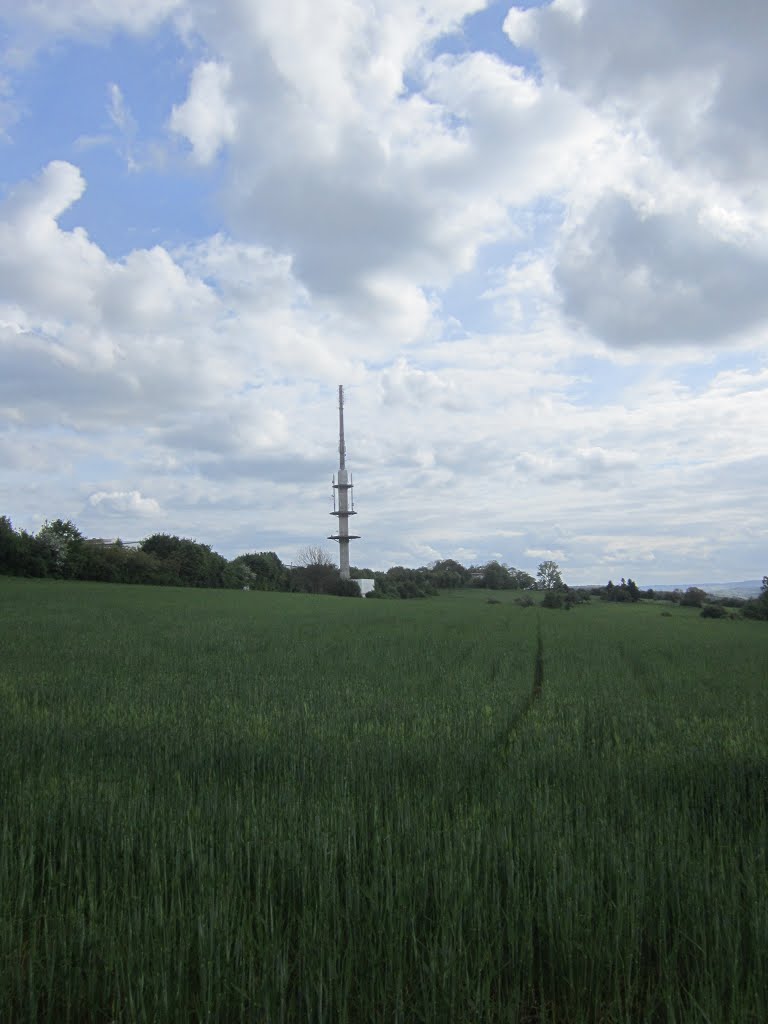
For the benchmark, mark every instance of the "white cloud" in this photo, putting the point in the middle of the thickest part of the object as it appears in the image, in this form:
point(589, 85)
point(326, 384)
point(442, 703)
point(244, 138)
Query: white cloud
point(58, 187)
point(632, 549)
point(405, 384)
point(76, 17)
point(546, 554)
point(9, 110)
point(118, 109)
point(691, 75)
point(40, 265)
point(668, 245)
point(60, 276)
point(632, 277)
point(517, 137)
point(79, 323)
point(120, 503)
point(150, 291)
point(206, 118)
point(380, 203)
point(377, 191)
point(250, 278)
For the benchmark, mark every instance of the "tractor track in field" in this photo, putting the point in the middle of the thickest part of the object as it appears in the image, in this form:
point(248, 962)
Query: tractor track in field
point(506, 737)
point(501, 745)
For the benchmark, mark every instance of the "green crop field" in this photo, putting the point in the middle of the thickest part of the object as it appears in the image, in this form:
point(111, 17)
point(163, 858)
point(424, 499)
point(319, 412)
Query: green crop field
point(224, 806)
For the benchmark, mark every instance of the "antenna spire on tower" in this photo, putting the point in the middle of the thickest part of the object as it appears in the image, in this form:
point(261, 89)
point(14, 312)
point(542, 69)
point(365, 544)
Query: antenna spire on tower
point(345, 507)
point(342, 446)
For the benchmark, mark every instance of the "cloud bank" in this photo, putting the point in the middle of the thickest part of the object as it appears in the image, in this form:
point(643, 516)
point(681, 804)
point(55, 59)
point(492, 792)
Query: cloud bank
point(534, 254)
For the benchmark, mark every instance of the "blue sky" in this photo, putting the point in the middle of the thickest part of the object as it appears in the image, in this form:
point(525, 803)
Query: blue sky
point(528, 238)
point(68, 108)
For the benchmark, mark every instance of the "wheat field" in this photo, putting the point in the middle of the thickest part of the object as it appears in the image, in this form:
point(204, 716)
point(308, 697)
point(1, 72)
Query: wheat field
point(224, 806)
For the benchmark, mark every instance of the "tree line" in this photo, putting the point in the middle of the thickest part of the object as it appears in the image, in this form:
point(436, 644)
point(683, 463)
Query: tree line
point(60, 551)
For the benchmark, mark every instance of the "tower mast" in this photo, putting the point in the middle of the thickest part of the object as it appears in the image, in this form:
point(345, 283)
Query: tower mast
point(344, 505)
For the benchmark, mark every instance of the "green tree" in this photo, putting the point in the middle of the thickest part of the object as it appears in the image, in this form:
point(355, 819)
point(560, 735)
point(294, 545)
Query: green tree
point(694, 597)
point(627, 590)
point(22, 554)
point(261, 570)
point(521, 580)
point(62, 541)
point(401, 582)
point(495, 576)
point(361, 573)
point(315, 571)
point(163, 545)
point(713, 611)
point(757, 608)
point(557, 597)
point(10, 555)
point(548, 576)
point(185, 562)
point(448, 573)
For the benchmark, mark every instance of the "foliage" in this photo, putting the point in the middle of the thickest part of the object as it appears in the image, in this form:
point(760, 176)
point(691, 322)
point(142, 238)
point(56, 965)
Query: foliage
point(672, 596)
point(499, 576)
point(694, 597)
point(400, 582)
point(261, 570)
point(757, 608)
point(185, 562)
point(548, 576)
point(315, 572)
point(61, 540)
point(495, 576)
point(713, 611)
point(565, 597)
point(345, 588)
point(361, 574)
point(311, 555)
point(448, 574)
point(556, 598)
point(625, 591)
point(60, 551)
point(521, 580)
point(114, 563)
point(21, 554)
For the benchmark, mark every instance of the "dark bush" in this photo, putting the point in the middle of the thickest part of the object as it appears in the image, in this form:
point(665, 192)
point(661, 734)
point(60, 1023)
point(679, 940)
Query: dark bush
point(713, 611)
point(757, 609)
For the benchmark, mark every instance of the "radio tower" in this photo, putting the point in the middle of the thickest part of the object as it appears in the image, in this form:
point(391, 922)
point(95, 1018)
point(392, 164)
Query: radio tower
point(345, 506)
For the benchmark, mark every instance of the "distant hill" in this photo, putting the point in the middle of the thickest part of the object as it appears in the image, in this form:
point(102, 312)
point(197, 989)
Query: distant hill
point(744, 588)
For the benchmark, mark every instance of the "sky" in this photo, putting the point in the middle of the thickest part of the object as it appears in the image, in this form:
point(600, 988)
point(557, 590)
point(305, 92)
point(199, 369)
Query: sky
point(529, 239)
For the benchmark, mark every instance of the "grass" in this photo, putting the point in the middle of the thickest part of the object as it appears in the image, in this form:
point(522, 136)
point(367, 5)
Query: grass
point(227, 806)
